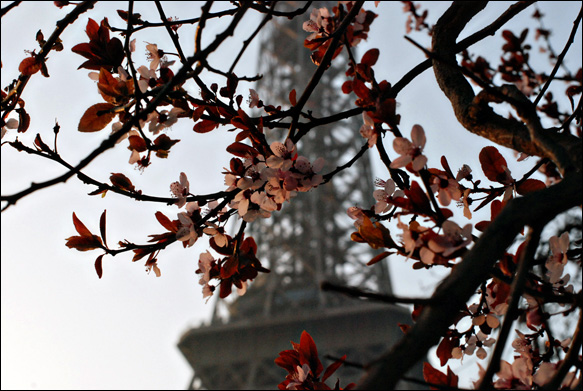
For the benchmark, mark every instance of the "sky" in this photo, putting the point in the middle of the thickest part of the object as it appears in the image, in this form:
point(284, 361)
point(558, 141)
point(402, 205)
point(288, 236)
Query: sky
point(62, 327)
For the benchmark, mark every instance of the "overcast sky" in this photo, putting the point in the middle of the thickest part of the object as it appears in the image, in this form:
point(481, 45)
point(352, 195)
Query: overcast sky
point(62, 327)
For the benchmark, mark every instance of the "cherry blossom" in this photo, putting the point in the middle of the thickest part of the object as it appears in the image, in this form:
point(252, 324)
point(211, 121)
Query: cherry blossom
point(411, 240)
point(164, 119)
point(280, 184)
point(218, 233)
point(264, 201)
point(253, 98)
point(283, 155)
point(253, 179)
point(410, 151)
point(356, 213)
point(12, 123)
point(517, 375)
point(464, 173)
point(465, 202)
point(557, 261)
point(299, 377)
point(318, 23)
point(385, 195)
point(154, 55)
point(187, 231)
point(447, 189)
point(180, 190)
point(368, 130)
point(478, 341)
point(308, 176)
point(205, 264)
point(547, 370)
point(522, 345)
point(147, 78)
point(151, 264)
point(453, 238)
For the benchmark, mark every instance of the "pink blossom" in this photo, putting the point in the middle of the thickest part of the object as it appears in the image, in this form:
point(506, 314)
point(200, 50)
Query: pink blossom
point(147, 78)
point(410, 151)
point(356, 213)
point(298, 377)
point(164, 119)
point(218, 233)
point(478, 341)
point(180, 190)
point(385, 195)
point(154, 55)
point(517, 375)
point(205, 265)
point(307, 175)
point(12, 123)
point(264, 201)
point(447, 189)
point(281, 185)
point(368, 131)
point(558, 259)
point(317, 24)
point(283, 155)
point(522, 345)
point(253, 98)
point(187, 232)
point(453, 238)
point(464, 173)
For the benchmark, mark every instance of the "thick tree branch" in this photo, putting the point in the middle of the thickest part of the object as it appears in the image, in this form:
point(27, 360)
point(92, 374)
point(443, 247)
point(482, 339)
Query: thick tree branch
point(451, 295)
point(534, 209)
point(474, 114)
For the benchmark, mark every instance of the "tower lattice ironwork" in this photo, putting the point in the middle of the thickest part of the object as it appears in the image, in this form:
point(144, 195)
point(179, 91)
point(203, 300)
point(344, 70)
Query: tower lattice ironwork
point(304, 244)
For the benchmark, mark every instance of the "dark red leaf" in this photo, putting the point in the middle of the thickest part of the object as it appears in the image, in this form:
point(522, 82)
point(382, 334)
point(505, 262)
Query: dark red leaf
point(99, 266)
point(80, 227)
point(38, 142)
point(444, 349)
point(137, 143)
point(434, 376)
point(102, 227)
point(166, 223)
point(242, 150)
point(530, 185)
point(96, 117)
point(292, 97)
point(418, 198)
point(446, 167)
point(30, 66)
point(360, 89)
point(370, 57)
point(493, 164)
point(333, 367)
point(122, 182)
point(23, 120)
point(84, 243)
point(309, 354)
point(347, 87)
point(378, 258)
point(140, 253)
point(204, 126)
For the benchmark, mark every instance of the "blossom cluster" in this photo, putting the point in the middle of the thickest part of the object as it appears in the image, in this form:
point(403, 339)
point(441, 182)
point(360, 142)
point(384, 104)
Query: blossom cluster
point(261, 185)
point(266, 183)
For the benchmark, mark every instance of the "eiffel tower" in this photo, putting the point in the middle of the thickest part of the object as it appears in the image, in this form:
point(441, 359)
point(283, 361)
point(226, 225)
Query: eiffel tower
point(304, 244)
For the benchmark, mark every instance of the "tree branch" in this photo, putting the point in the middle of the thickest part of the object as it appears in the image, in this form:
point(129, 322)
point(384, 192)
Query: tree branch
point(474, 114)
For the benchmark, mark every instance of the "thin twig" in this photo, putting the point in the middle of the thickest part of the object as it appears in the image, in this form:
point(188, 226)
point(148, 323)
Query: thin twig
point(516, 290)
point(357, 292)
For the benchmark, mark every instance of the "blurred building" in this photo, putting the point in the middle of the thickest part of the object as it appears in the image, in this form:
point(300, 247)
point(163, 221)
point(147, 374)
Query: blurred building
point(304, 244)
